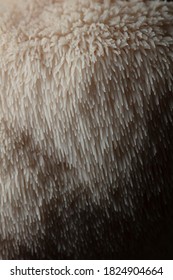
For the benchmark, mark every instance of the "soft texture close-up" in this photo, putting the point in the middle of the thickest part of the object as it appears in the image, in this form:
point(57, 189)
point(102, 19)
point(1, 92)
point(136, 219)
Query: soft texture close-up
point(86, 129)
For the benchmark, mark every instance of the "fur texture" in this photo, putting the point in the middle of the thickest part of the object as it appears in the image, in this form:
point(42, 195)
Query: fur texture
point(86, 129)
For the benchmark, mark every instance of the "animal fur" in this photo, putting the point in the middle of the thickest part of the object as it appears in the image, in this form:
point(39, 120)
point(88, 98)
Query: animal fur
point(86, 129)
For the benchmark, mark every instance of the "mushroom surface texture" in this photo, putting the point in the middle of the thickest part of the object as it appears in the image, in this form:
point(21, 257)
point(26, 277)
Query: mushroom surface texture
point(86, 129)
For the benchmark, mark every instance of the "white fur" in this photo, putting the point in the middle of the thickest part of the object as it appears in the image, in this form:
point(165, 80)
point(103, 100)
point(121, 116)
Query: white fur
point(85, 113)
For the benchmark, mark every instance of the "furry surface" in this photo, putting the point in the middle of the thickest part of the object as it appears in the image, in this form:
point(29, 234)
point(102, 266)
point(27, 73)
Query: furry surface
point(86, 129)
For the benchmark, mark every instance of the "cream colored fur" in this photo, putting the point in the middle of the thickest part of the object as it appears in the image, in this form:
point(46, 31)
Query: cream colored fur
point(85, 124)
